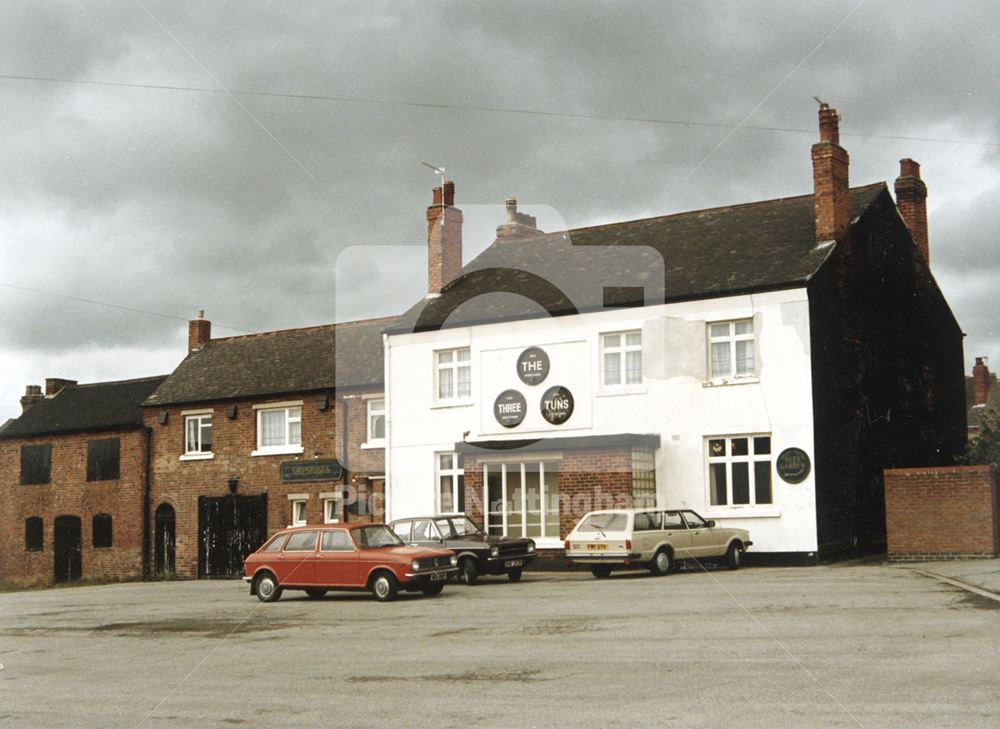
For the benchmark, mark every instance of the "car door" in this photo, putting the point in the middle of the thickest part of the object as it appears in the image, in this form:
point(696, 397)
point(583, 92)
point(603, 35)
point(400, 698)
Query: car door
point(675, 532)
point(337, 559)
point(646, 533)
point(702, 537)
point(425, 534)
point(296, 563)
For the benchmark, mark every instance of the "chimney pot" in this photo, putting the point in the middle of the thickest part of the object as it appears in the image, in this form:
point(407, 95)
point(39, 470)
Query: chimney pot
point(911, 199)
point(199, 332)
point(444, 239)
point(32, 395)
point(981, 380)
point(517, 225)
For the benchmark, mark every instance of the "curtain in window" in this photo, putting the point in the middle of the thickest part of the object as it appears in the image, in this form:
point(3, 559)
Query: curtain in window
point(633, 367)
point(272, 428)
point(720, 359)
point(744, 357)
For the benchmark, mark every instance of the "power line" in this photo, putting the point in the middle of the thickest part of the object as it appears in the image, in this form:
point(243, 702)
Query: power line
point(473, 107)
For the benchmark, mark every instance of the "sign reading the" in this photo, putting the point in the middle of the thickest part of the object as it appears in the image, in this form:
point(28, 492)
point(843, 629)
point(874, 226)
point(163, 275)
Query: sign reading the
point(509, 408)
point(557, 405)
point(533, 366)
point(296, 471)
point(793, 465)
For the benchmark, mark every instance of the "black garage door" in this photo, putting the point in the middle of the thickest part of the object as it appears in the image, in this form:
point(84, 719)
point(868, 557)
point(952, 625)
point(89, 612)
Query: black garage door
point(229, 528)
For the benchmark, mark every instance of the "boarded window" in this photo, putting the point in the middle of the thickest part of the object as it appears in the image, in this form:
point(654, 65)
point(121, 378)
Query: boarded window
point(102, 530)
point(36, 463)
point(33, 540)
point(102, 459)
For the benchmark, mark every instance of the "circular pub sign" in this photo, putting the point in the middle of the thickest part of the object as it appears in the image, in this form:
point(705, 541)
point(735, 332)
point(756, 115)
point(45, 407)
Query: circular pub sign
point(509, 408)
point(793, 465)
point(557, 405)
point(533, 366)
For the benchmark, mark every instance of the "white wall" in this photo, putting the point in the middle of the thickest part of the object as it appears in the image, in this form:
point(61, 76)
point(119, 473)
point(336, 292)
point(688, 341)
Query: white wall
point(675, 401)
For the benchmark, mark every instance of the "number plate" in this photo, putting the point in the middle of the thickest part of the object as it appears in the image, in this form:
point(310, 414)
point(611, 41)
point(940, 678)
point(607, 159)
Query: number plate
point(514, 563)
point(597, 546)
point(438, 576)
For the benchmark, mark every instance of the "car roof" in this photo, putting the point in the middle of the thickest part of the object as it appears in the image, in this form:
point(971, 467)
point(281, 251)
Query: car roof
point(432, 518)
point(312, 527)
point(635, 510)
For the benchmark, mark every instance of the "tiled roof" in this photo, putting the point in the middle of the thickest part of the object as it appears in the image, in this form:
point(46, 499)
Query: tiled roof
point(78, 408)
point(702, 254)
point(292, 360)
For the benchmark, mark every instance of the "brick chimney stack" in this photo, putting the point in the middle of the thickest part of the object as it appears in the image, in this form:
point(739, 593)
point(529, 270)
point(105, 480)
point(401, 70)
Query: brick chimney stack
point(517, 225)
point(911, 199)
point(832, 196)
point(199, 331)
point(54, 384)
point(32, 394)
point(981, 380)
point(444, 239)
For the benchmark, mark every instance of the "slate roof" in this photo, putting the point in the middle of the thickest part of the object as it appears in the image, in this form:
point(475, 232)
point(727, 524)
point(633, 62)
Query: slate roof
point(701, 254)
point(316, 358)
point(92, 407)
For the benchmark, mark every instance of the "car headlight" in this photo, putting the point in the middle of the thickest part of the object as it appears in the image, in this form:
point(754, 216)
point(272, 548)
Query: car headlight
point(531, 547)
point(454, 560)
point(494, 551)
point(415, 564)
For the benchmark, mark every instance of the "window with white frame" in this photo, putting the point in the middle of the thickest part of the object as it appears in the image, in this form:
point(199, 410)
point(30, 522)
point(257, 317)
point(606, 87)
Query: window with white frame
point(453, 374)
point(376, 420)
point(731, 348)
point(451, 483)
point(298, 511)
point(279, 429)
point(198, 434)
point(333, 507)
point(739, 470)
point(621, 358)
point(522, 499)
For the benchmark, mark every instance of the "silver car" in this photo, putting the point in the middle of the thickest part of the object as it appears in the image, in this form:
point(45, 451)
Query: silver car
point(656, 539)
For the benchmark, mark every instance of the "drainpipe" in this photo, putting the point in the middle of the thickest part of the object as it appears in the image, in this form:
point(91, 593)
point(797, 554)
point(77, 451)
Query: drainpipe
point(343, 451)
point(386, 457)
point(147, 438)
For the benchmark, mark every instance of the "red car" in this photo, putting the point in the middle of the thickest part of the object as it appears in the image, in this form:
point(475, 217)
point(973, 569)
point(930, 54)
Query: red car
point(345, 557)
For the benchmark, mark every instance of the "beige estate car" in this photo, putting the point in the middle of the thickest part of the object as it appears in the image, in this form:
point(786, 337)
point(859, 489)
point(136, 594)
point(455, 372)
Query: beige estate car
point(653, 538)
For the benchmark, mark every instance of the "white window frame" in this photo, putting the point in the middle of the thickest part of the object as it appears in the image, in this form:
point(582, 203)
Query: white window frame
point(333, 506)
point(765, 509)
point(299, 504)
point(199, 415)
point(453, 474)
point(370, 412)
point(288, 408)
point(732, 338)
point(621, 352)
point(504, 467)
point(454, 366)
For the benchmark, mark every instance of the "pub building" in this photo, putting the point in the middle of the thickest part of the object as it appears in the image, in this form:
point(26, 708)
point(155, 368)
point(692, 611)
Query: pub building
point(759, 363)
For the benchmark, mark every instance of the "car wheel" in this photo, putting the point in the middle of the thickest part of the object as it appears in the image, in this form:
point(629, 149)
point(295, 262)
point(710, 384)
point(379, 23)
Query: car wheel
point(268, 589)
point(600, 572)
point(316, 592)
point(468, 571)
point(662, 563)
point(431, 589)
point(734, 556)
point(384, 587)
point(514, 575)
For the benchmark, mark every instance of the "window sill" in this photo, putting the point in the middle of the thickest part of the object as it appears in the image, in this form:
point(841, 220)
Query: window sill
point(726, 381)
point(742, 512)
point(197, 457)
point(278, 451)
point(373, 445)
point(452, 404)
point(628, 390)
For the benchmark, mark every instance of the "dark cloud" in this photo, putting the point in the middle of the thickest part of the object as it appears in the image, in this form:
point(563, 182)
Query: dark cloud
point(170, 201)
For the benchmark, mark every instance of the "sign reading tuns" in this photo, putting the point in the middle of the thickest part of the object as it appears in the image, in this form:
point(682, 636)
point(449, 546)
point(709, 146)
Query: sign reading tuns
point(533, 366)
point(793, 465)
point(557, 405)
point(509, 408)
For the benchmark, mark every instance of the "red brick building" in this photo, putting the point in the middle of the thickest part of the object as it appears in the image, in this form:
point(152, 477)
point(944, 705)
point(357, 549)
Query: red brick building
point(73, 481)
point(981, 393)
point(255, 433)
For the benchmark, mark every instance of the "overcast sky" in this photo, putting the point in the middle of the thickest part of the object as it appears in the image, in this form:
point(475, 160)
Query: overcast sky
point(269, 210)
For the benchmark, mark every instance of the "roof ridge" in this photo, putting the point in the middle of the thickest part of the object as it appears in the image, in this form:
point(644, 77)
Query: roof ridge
point(113, 382)
point(313, 327)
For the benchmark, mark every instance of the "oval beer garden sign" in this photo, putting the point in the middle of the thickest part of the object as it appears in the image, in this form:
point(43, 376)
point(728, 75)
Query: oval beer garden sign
point(793, 465)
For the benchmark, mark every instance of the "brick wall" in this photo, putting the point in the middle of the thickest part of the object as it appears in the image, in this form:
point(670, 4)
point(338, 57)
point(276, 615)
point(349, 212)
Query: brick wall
point(180, 482)
point(69, 493)
point(942, 512)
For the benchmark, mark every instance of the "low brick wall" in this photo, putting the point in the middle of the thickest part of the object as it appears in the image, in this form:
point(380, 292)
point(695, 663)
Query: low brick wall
point(942, 513)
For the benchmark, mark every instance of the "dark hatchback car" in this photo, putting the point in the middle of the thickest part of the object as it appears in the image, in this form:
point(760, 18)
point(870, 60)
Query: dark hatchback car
point(478, 554)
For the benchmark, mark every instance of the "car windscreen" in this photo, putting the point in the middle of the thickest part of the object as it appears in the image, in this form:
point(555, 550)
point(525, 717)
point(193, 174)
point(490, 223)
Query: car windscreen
point(378, 535)
point(615, 521)
point(452, 528)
